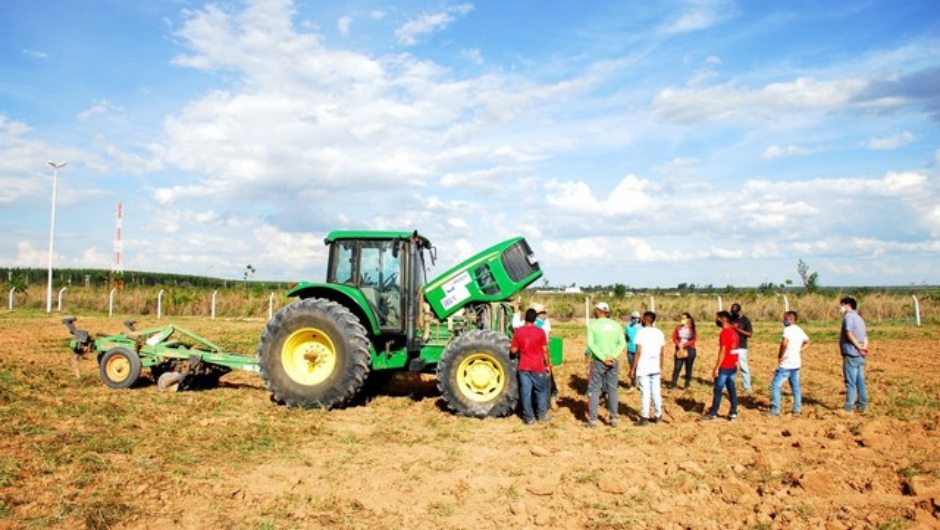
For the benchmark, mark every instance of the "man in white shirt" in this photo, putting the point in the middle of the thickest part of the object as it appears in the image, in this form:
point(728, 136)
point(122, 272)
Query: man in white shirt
point(792, 344)
point(648, 367)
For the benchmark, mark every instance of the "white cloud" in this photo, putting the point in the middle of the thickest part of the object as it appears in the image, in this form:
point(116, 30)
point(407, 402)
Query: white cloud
point(343, 25)
point(101, 107)
point(29, 256)
point(698, 15)
point(35, 54)
point(730, 101)
point(409, 32)
point(778, 151)
point(713, 59)
point(473, 55)
point(628, 196)
point(894, 141)
point(377, 14)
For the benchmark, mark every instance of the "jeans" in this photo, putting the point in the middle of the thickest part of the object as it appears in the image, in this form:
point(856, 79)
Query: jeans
point(631, 355)
point(536, 382)
point(853, 370)
point(745, 370)
point(781, 375)
point(650, 388)
point(725, 379)
point(687, 362)
point(602, 378)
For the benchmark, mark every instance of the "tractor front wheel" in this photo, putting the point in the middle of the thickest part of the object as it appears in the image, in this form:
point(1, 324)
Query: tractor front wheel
point(476, 376)
point(314, 353)
point(119, 368)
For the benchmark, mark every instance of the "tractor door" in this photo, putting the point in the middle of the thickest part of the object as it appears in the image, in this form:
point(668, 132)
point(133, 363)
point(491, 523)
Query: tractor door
point(374, 266)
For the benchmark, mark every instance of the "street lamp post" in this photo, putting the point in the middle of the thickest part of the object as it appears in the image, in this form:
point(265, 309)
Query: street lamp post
point(56, 166)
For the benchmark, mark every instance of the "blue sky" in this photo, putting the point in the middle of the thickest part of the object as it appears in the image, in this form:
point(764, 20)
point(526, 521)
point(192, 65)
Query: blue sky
point(648, 143)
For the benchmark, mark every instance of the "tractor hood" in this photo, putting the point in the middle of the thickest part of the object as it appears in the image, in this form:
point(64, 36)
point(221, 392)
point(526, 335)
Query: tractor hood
point(493, 275)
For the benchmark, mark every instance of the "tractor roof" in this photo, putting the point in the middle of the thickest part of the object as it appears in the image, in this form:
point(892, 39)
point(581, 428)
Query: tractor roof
point(372, 234)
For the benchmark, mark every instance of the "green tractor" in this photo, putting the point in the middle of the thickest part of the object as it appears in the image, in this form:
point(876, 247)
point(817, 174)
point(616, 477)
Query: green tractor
point(377, 314)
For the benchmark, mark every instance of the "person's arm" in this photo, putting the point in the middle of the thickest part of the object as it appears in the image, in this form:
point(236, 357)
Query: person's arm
point(805, 345)
point(862, 348)
point(589, 349)
point(547, 327)
point(784, 342)
point(675, 336)
point(636, 360)
point(662, 355)
point(514, 345)
point(744, 331)
point(721, 355)
point(547, 358)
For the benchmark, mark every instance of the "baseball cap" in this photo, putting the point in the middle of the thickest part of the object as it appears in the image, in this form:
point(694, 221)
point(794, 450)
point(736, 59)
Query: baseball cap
point(603, 307)
point(539, 308)
point(635, 314)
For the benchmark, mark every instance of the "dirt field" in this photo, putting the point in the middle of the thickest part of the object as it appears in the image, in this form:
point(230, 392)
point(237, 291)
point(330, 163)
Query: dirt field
point(76, 454)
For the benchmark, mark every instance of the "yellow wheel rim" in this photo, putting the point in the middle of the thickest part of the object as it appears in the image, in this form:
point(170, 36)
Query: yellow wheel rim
point(118, 368)
point(308, 356)
point(481, 377)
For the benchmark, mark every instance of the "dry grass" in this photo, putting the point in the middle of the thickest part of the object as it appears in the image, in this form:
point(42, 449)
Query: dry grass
point(76, 454)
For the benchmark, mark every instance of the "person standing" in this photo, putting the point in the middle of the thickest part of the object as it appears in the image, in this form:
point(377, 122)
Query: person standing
point(648, 368)
point(743, 326)
point(853, 343)
point(630, 332)
point(542, 322)
point(605, 344)
point(684, 337)
point(725, 367)
point(530, 344)
point(790, 356)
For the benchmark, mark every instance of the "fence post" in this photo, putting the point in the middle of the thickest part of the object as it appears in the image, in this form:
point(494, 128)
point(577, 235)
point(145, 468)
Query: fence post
point(10, 302)
point(213, 302)
point(271, 306)
point(786, 303)
point(160, 304)
point(652, 304)
point(62, 290)
point(916, 310)
point(720, 308)
point(587, 309)
point(111, 301)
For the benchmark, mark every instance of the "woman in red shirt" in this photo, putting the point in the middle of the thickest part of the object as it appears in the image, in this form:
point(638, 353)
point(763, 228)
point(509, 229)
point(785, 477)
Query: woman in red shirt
point(684, 338)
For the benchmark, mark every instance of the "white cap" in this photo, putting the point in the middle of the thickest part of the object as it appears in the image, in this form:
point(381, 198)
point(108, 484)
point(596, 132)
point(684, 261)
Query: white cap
point(603, 307)
point(539, 308)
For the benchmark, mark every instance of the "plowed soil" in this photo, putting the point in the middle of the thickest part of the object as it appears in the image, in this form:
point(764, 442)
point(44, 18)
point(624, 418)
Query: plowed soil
point(75, 454)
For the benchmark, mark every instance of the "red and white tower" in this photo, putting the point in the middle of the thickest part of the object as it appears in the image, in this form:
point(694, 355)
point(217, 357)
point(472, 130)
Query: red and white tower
point(117, 269)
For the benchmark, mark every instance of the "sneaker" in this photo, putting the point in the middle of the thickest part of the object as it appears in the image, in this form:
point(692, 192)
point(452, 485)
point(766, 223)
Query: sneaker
point(590, 424)
point(657, 419)
point(732, 417)
point(543, 419)
point(770, 413)
point(613, 423)
point(686, 385)
point(709, 417)
point(642, 422)
point(529, 421)
point(796, 413)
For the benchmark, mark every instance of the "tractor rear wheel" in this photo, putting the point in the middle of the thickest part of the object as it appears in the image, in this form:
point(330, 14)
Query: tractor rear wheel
point(476, 376)
point(119, 368)
point(314, 353)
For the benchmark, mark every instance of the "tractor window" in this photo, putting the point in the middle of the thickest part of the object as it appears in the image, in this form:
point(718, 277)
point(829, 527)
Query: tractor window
point(380, 280)
point(344, 255)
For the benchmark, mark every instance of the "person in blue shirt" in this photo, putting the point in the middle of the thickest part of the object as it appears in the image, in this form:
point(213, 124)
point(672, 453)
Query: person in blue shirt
point(630, 331)
point(853, 344)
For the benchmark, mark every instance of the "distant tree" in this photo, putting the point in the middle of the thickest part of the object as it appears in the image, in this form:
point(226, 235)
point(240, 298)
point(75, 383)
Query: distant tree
point(249, 272)
point(620, 290)
point(810, 279)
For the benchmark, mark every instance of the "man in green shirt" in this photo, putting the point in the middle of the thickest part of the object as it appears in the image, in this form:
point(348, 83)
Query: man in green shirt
point(604, 346)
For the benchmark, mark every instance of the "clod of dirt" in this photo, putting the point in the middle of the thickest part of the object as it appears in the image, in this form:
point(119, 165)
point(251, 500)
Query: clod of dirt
point(542, 518)
point(538, 450)
point(923, 487)
point(542, 487)
point(692, 468)
point(818, 482)
point(517, 508)
point(611, 484)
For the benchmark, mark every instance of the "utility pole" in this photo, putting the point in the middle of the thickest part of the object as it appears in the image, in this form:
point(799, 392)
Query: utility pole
point(56, 166)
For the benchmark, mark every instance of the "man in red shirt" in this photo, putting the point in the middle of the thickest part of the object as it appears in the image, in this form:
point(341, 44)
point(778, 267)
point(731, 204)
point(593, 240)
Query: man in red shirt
point(530, 344)
point(725, 367)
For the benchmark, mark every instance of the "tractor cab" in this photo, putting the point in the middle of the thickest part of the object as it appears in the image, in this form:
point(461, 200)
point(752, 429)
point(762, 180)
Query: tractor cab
point(386, 267)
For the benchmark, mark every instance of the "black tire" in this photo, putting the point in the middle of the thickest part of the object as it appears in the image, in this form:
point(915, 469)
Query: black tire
point(119, 368)
point(484, 350)
point(314, 353)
